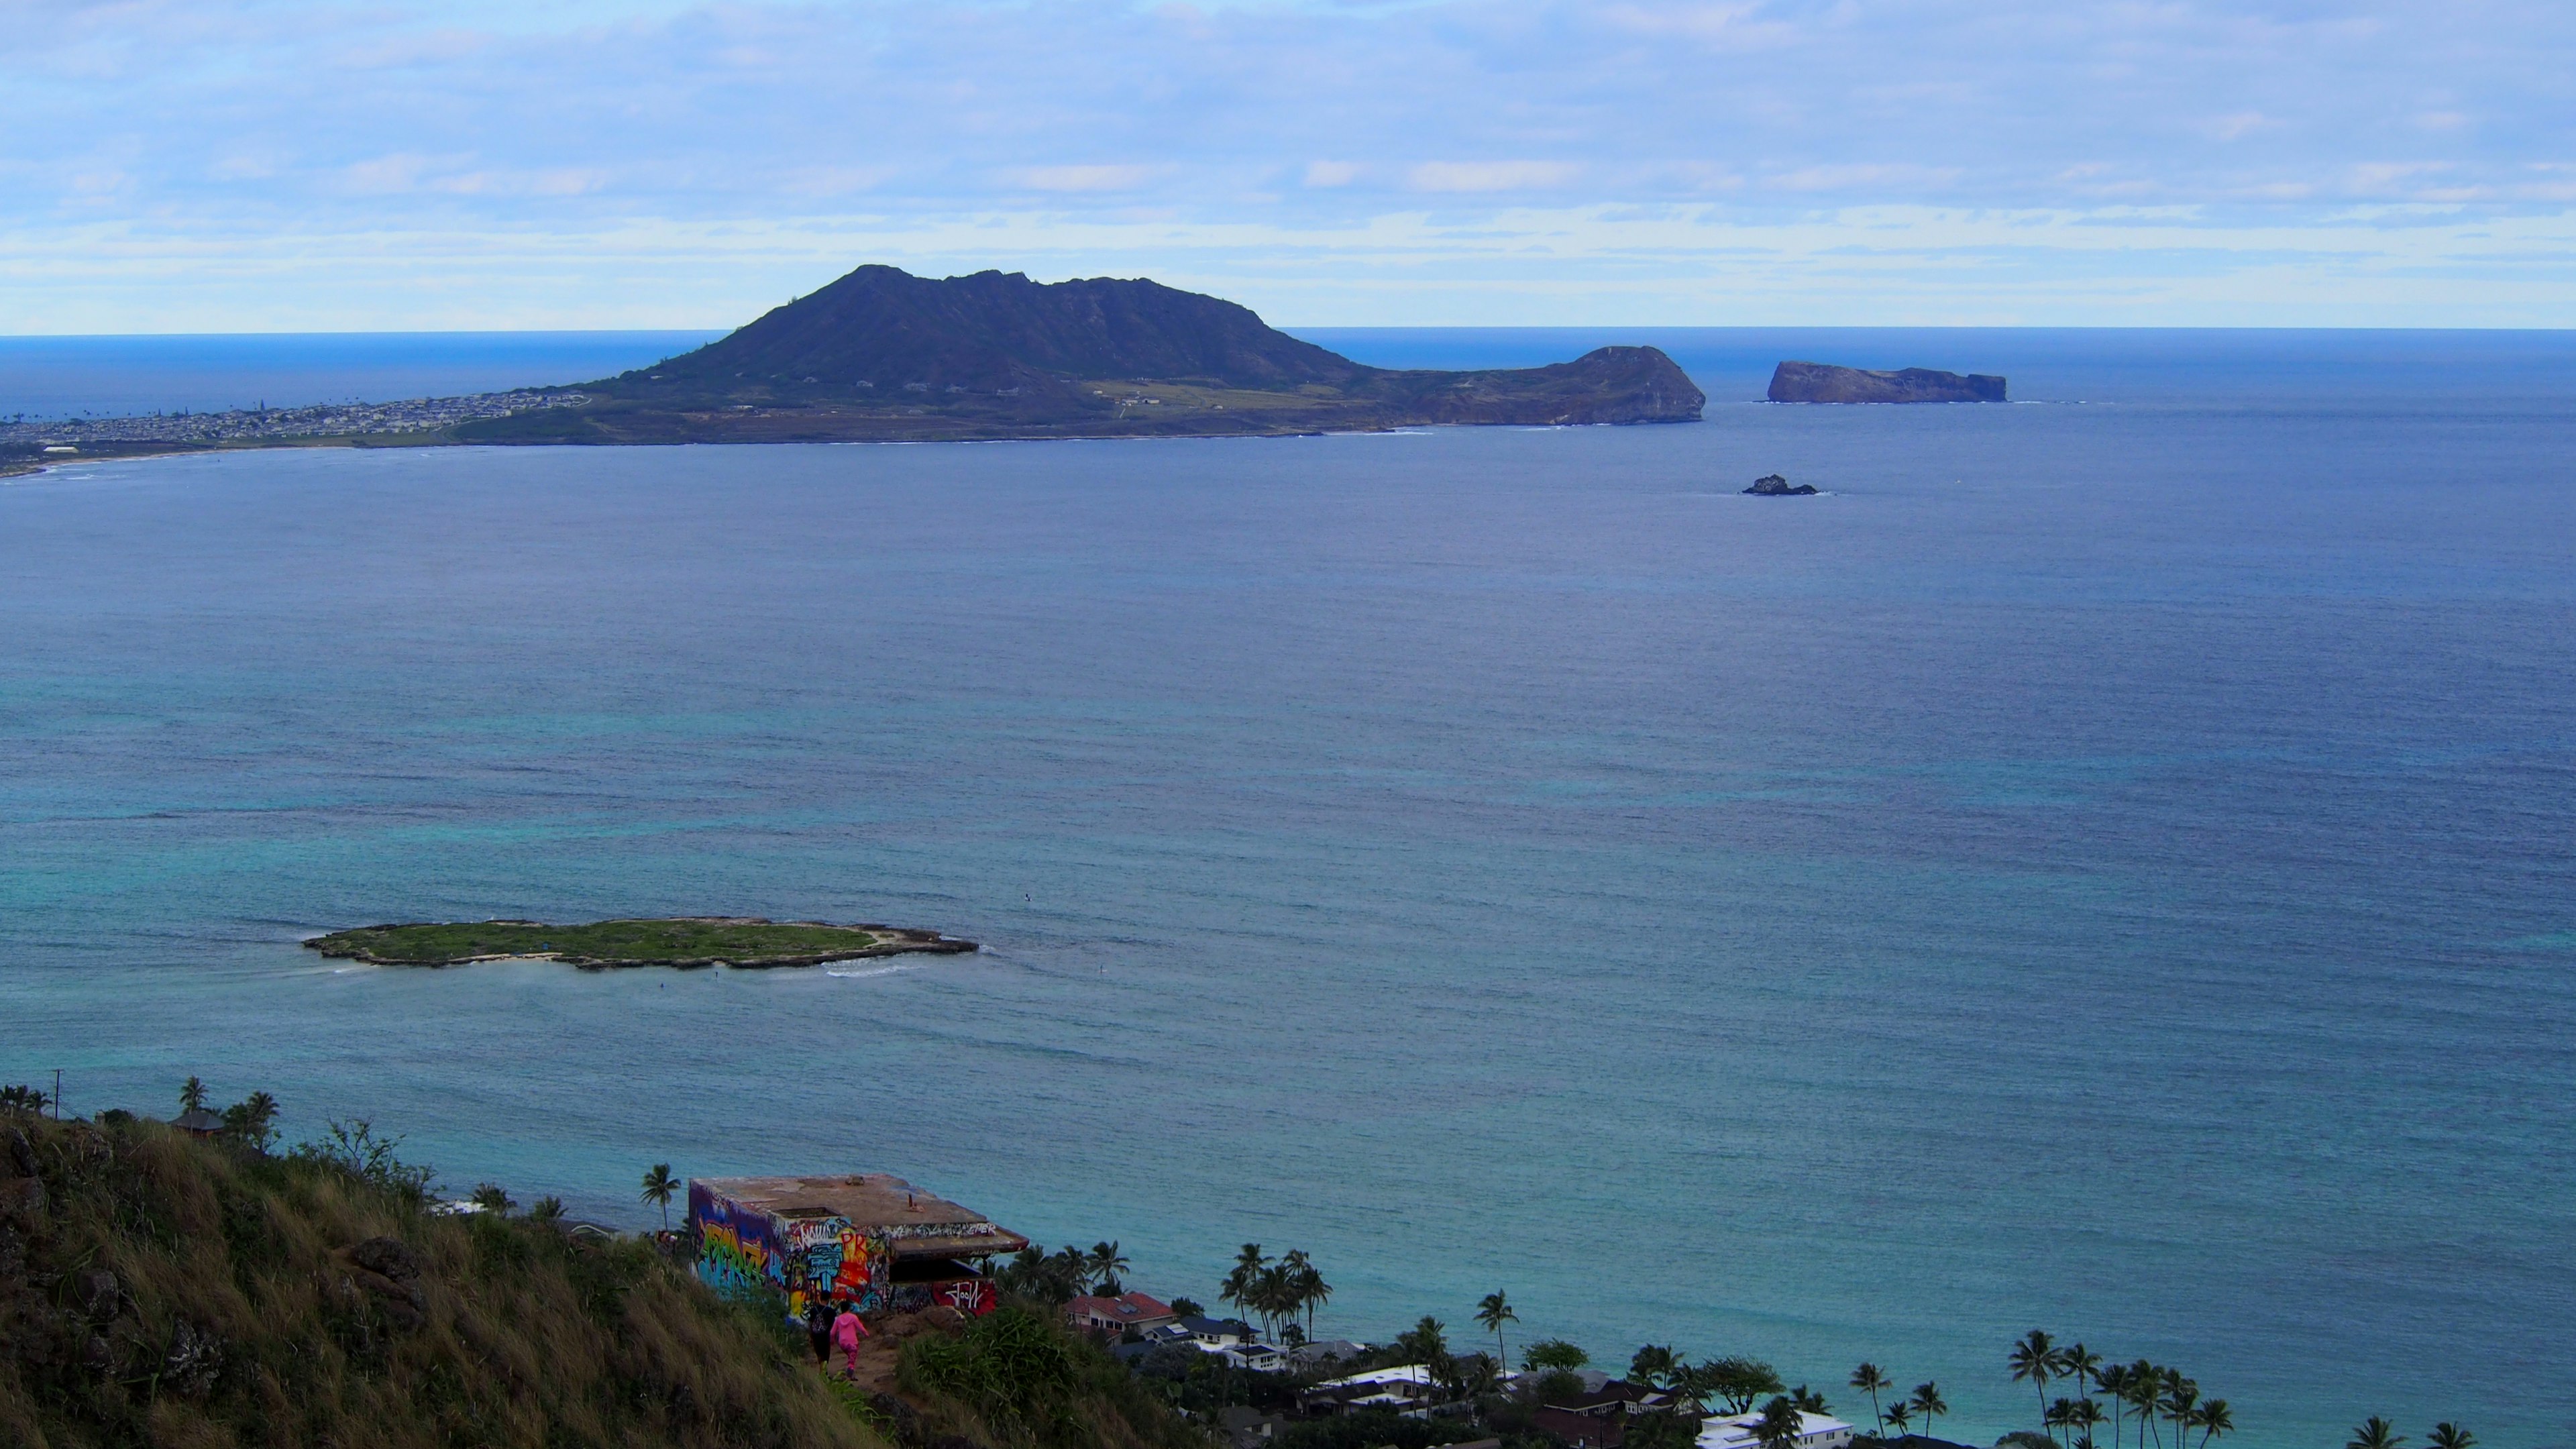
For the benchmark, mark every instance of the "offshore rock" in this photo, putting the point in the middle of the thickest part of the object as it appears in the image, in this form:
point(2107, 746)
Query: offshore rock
point(1822, 382)
point(1772, 485)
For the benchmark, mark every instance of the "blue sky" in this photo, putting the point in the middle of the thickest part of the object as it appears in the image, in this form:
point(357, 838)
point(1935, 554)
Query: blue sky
point(266, 165)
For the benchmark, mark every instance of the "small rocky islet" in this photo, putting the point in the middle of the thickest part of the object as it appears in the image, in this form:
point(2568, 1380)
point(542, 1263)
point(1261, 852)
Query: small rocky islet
point(684, 942)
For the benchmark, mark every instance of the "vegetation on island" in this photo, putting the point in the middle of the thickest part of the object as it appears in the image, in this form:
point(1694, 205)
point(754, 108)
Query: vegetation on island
point(681, 941)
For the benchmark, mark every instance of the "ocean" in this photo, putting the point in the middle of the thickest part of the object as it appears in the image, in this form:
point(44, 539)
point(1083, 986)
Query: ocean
point(2104, 865)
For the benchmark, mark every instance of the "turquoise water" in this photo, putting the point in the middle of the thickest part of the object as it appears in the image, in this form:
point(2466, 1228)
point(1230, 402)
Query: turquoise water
point(2104, 866)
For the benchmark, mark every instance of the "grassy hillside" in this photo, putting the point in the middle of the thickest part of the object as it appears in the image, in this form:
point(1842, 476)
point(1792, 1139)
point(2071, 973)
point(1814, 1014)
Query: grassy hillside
point(157, 1290)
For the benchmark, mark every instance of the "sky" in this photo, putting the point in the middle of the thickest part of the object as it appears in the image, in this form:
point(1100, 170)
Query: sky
point(285, 165)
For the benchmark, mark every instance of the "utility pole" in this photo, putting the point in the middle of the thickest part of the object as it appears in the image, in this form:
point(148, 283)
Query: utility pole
point(58, 1094)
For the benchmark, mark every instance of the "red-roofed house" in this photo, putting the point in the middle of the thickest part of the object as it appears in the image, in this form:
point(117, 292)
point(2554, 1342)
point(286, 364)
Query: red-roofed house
point(1114, 1316)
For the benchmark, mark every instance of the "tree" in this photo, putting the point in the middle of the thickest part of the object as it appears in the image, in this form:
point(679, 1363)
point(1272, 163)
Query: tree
point(659, 1185)
point(23, 1098)
point(1899, 1415)
point(1554, 1353)
point(2445, 1435)
point(192, 1097)
point(1426, 1342)
point(1308, 1285)
point(249, 1121)
point(2144, 1382)
point(2113, 1379)
point(1659, 1429)
point(2375, 1433)
point(2179, 1398)
point(1187, 1308)
point(1739, 1381)
point(1870, 1379)
point(1653, 1366)
point(1779, 1426)
point(548, 1209)
point(2034, 1361)
point(2214, 1421)
point(2084, 1417)
point(1808, 1401)
point(2081, 1364)
point(1494, 1312)
point(2056, 1417)
point(1244, 1280)
point(490, 1198)
point(1928, 1402)
point(1104, 1265)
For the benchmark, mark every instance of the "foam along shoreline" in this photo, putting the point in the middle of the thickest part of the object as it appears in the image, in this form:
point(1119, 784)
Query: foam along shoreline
point(679, 942)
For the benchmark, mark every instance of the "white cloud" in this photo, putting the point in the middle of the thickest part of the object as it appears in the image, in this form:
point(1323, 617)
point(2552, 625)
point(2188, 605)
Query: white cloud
point(431, 141)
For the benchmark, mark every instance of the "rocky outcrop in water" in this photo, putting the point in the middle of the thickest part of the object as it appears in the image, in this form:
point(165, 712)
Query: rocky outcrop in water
point(1772, 485)
point(1822, 382)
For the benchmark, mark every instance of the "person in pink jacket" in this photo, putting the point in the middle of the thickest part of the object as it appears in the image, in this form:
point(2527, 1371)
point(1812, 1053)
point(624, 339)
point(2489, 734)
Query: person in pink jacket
point(847, 1330)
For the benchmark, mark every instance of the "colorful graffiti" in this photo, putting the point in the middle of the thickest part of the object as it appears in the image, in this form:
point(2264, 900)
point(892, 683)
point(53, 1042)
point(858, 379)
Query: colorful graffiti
point(743, 1250)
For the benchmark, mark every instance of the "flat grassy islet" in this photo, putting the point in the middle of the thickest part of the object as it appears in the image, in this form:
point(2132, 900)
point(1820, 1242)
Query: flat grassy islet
point(682, 941)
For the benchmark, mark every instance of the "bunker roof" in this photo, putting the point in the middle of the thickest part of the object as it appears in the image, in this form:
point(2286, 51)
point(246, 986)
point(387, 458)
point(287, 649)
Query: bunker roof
point(919, 1224)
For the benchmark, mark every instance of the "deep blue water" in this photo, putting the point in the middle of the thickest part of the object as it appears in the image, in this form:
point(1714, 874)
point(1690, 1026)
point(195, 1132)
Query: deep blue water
point(55, 377)
point(2103, 867)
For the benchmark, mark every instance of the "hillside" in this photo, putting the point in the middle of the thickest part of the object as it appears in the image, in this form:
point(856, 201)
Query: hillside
point(159, 1289)
point(884, 354)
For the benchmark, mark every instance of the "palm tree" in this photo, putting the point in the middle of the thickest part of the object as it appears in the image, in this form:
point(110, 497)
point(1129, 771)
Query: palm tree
point(2445, 1435)
point(1808, 1401)
point(1494, 1312)
point(1929, 1403)
point(192, 1097)
point(491, 1199)
point(659, 1186)
point(1869, 1379)
point(1898, 1416)
point(1653, 1366)
point(2034, 1360)
point(2114, 1381)
point(1105, 1263)
point(547, 1210)
point(2081, 1364)
point(1312, 1290)
point(1240, 1284)
point(2145, 1382)
point(2375, 1433)
point(2057, 1416)
point(2213, 1421)
point(2180, 1397)
point(1779, 1426)
point(2084, 1418)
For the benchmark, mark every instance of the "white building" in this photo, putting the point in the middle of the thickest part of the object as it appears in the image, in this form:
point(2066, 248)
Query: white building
point(1735, 1431)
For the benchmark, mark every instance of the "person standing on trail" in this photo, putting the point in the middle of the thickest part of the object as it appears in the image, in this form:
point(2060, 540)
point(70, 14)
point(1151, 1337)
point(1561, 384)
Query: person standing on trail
point(847, 1330)
point(818, 1329)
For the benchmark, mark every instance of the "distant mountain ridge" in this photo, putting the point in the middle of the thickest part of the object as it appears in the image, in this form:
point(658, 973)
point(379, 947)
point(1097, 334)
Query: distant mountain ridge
point(992, 330)
point(881, 353)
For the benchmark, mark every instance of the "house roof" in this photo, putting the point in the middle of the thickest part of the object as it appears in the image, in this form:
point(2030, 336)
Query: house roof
point(1201, 1323)
point(1735, 1431)
point(921, 1225)
point(1125, 1308)
point(198, 1119)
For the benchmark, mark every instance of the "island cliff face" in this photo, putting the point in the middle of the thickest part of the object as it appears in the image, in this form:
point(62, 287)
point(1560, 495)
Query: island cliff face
point(1819, 382)
point(884, 354)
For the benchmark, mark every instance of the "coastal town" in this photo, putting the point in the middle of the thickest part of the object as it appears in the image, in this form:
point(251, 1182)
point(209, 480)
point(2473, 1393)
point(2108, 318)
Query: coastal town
point(64, 438)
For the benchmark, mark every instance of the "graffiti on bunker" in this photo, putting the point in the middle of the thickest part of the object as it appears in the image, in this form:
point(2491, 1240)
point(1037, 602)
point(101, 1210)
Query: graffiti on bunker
point(744, 1250)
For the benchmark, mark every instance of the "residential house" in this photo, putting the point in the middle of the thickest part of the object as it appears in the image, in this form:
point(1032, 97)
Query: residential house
point(1735, 1431)
point(1115, 1318)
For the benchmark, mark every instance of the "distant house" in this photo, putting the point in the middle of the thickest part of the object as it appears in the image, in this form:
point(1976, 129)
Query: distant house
point(1597, 1418)
point(1325, 1352)
point(865, 1238)
point(198, 1122)
point(1217, 1332)
point(1115, 1316)
point(1403, 1388)
point(1259, 1358)
point(1735, 1431)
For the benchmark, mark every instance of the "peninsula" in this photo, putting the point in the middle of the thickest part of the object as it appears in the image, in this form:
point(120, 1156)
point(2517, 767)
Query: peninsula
point(681, 941)
point(1821, 382)
point(884, 355)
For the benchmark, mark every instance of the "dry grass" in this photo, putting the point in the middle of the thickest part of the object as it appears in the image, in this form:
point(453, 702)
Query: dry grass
point(237, 1317)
